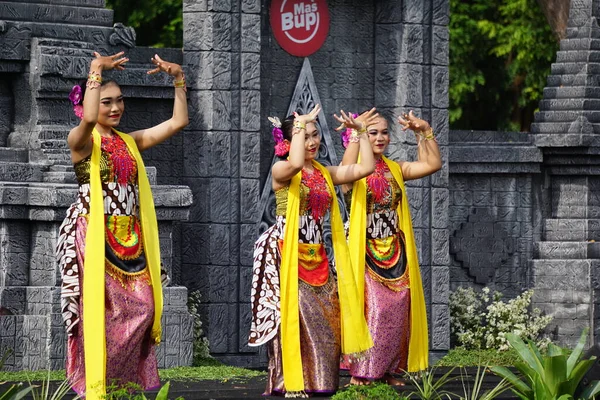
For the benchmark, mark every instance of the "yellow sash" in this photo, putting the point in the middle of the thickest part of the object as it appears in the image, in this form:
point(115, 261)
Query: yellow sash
point(354, 330)
point(94, 330)
point(419, 339)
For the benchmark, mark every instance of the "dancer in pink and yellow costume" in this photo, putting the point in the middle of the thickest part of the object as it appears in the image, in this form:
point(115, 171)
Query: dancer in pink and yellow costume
point(108, 249)
point(383, 250)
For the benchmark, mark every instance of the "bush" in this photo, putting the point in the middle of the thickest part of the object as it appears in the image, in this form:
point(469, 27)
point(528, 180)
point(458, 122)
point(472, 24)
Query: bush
point(478, 321)
point(375, 390)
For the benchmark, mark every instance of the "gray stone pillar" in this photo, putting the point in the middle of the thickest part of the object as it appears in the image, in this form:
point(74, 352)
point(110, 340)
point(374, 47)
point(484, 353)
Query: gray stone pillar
point(221, 165)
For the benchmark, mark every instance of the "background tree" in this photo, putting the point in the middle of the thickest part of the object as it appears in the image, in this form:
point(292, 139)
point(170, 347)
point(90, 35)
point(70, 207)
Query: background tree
point(500, 56)
point(157, 23)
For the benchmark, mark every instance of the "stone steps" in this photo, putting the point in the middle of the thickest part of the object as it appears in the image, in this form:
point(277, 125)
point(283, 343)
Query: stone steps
point(571, 230)
point(565, 274)
point(582, 67)
point(58, 14)
point(569, 104)
point(566, 250)
point(11, 154)
point(577, 92)
point(572, 80)
point(555, 115)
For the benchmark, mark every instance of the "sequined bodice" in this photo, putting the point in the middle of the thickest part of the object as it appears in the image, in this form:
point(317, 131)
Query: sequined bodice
point(306, 203)
point(118, 179)
point(389, 202)
point(116, 163)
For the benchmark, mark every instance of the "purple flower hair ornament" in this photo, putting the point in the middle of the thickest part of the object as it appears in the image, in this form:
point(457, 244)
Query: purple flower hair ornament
point(282, 146)
point(75, 98)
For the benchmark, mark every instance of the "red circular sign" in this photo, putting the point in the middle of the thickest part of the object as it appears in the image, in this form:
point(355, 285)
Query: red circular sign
point(300, 26)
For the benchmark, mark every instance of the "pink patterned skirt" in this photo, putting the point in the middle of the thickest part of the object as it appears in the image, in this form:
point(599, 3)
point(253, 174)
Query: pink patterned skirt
point(388, 318)
point(129, 314)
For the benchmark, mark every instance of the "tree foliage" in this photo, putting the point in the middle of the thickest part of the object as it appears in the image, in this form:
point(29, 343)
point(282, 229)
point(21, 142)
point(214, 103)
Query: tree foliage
point(500, 56)
point(157, 23)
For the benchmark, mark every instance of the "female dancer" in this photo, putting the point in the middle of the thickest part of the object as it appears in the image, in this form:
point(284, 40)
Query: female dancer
point(381, 237)
point(294, 298)
point(108, 248)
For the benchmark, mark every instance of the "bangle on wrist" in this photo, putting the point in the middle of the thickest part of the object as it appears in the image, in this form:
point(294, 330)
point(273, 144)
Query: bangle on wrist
point(94, 80)
point(299, 125)
point(180, 83)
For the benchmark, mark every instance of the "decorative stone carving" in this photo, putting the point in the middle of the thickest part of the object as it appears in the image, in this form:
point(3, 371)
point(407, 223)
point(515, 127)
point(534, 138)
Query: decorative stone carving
point(122, 35)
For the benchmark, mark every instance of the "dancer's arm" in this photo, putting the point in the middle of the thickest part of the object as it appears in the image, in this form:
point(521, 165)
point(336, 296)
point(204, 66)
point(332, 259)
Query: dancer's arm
point(350, 171)
point(429, 159)
point(147, 138)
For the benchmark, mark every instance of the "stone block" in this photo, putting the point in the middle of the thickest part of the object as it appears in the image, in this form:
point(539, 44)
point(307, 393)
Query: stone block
point(440, 206)
point(440, 327)
point(251, 33)
point(439, 84)
point(209, 69)
point(251, 6)
point(248, 235)
point(250, 193)
point(250, 110)
point(250, 71)
point(219, 244)
point(388, 11)
point(207, 31)
point(440, 45)
point(210, 110)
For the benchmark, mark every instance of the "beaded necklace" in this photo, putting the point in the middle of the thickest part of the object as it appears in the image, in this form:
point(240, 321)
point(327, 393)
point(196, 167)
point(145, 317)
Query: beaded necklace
point(378, 183)
point(122, 161)
point(319, 197)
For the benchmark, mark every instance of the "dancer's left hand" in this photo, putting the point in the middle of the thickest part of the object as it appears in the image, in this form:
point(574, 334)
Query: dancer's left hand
point(410, 121)
point(170, 68)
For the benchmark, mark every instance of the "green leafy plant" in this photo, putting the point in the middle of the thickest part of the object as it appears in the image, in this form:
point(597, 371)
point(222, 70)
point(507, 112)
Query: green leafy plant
point(42, 392)
point(474, 392)
point(15, 392)
point(133, 391)
point(375, 390)
point(482, 320)
point(201, 348)
point(553, 376)
point(429, 388)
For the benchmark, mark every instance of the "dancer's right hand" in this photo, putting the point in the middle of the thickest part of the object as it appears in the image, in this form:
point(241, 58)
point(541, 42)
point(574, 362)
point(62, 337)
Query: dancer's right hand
point(106, 63)
point(310, 117)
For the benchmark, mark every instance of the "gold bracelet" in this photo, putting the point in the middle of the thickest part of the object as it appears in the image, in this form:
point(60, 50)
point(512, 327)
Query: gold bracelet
point(363, 129)
point(428, 135)
point(94, 80)
point(299, 125)
point(180, 83)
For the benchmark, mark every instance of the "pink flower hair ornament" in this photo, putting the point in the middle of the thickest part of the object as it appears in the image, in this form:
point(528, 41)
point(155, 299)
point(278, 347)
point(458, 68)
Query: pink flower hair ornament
point(75, 97)
point(282, 146)
point(346, 133)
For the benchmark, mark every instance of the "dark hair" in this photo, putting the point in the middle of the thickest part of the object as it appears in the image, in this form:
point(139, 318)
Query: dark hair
point(385, 114)
point(82, 85)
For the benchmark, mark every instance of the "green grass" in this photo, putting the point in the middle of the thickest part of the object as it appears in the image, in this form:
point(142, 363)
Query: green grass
point(459, 357)
point(209, 369)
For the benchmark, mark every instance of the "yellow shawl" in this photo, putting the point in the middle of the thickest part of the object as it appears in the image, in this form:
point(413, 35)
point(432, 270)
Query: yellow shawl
point(94, 330)
point(355, 333)
point(418, 346)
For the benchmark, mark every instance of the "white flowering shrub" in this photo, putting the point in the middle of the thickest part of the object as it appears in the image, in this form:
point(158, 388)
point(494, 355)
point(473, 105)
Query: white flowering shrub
point(481, 321)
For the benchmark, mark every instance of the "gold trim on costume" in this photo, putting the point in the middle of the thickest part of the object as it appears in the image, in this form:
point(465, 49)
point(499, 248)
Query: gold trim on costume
point(127, 279)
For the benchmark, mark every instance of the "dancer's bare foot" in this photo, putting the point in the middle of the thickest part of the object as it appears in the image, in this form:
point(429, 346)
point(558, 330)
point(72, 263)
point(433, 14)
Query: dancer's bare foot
point(390, 380)
point(359, 381)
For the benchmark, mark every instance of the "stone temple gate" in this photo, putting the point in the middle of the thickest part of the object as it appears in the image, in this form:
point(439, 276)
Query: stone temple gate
point(508, 210)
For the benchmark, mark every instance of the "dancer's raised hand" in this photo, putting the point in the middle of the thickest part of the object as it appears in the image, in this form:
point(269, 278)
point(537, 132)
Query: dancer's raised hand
point(410, 121)
point(170, 68)
point(106, 63)
point(310, 117)
point(359, 123)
